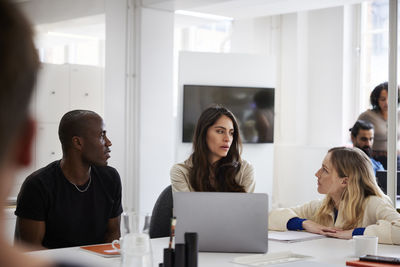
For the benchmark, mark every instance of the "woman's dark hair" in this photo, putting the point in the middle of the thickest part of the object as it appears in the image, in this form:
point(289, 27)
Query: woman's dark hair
point(374, 97)
point(225, 169)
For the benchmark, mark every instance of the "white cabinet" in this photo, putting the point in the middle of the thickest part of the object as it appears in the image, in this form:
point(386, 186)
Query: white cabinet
point(48, 146)
point(61, 88)
point(84, 88)
point(52, 92)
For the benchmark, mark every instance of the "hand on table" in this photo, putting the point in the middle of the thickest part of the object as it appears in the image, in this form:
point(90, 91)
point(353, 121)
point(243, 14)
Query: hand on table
point(316, 228)
point(342, 234)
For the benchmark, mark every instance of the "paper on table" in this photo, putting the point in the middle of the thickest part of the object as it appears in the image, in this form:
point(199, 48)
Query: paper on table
point(104, 250)
point(292, 236)
point(270, 258)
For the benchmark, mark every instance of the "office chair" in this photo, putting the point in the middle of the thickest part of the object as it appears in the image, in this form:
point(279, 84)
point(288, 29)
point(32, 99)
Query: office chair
point(160, 223)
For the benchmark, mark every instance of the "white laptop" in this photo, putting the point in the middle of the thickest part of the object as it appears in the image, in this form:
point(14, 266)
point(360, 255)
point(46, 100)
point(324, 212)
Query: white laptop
point(225, 222)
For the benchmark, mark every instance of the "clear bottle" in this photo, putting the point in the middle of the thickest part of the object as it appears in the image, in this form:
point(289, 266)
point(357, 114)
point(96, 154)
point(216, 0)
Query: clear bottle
point(146, 227)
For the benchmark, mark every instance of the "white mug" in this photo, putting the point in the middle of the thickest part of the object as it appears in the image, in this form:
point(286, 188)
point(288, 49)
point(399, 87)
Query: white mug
point(135, 243)
point(364, 245)
point(135, 246)
point(135, 249)
point(116, 242)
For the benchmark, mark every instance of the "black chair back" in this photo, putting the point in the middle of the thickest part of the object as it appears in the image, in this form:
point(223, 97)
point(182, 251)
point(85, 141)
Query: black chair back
point(381, 178)
point(160, 223)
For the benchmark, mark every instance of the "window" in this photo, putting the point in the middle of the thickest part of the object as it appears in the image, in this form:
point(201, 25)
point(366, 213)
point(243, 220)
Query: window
point(202, 32)
point(199, 32)
point(374, 47)
point(78, 41)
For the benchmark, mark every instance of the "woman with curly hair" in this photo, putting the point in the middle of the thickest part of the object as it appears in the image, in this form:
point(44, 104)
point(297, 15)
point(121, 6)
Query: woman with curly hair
point(378, 116)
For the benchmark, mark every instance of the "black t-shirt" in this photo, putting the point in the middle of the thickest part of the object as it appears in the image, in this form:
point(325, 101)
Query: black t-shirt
point(72, 218)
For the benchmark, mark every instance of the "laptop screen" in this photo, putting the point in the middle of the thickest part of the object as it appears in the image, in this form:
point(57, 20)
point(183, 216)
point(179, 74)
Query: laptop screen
point(225, 222)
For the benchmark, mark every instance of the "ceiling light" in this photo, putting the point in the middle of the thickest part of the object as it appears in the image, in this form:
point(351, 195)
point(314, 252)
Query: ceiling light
point(201, 15)
point(69, 35)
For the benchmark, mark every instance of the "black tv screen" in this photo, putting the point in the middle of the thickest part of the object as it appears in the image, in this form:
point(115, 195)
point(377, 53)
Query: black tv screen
point(253, 108)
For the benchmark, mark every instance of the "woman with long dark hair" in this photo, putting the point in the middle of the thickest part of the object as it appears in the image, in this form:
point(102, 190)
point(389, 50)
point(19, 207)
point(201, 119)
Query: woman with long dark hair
point(215, 164)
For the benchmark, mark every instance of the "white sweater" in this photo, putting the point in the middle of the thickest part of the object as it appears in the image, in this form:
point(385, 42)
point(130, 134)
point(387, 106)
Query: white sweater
point(380, 218)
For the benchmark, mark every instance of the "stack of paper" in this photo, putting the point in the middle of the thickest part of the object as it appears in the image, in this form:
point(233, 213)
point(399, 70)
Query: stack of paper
point(270, 259)
point(292, 236)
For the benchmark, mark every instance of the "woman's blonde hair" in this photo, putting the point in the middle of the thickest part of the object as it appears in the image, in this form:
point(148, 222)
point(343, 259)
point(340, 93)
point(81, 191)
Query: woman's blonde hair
point(354, 164)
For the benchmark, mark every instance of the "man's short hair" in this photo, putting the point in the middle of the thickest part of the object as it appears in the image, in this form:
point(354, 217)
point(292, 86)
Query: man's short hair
point(73, 123)
point(19, 64)
point(360, 124)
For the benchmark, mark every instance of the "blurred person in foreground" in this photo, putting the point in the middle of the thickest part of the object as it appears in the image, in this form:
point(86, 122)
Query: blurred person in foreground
point(18, 69)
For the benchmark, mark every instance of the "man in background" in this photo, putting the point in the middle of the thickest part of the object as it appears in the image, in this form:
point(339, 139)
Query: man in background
point(74, 201)
point(362, 136)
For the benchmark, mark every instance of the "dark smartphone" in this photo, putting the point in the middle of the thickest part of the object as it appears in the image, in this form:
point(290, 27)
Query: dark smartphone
point(392, 260)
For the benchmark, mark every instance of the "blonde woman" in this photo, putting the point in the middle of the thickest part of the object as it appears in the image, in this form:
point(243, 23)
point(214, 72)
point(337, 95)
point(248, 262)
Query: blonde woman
point(354, 204)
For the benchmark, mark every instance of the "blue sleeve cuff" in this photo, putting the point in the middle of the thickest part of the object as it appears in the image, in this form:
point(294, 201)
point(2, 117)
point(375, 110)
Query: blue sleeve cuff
point(295, 224)
point(358, 231)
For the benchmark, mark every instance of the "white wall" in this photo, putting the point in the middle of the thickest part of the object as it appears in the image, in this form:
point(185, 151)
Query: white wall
point(48, 11)
point(115, 86)
point(256, 36)
point(230, 70)
point(156, 109)
point(314, 84)
point(352, 96)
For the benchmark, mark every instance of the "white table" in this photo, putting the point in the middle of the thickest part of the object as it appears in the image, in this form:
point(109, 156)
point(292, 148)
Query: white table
point(326, 250)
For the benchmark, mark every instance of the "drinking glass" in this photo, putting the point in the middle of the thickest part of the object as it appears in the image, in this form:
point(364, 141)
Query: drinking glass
point(135, 246)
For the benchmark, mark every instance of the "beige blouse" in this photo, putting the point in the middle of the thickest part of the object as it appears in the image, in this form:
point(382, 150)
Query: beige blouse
point(180, 177)
point(380, 128)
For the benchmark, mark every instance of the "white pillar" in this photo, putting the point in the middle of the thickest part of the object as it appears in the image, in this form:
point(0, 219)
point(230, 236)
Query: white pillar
point(392, 114)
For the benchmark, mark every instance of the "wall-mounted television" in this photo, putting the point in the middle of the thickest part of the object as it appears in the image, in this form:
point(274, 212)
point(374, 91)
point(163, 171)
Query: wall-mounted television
point(253, 108)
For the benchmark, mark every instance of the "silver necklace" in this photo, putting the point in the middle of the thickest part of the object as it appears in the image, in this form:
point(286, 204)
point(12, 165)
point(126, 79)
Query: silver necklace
point(82, 190)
